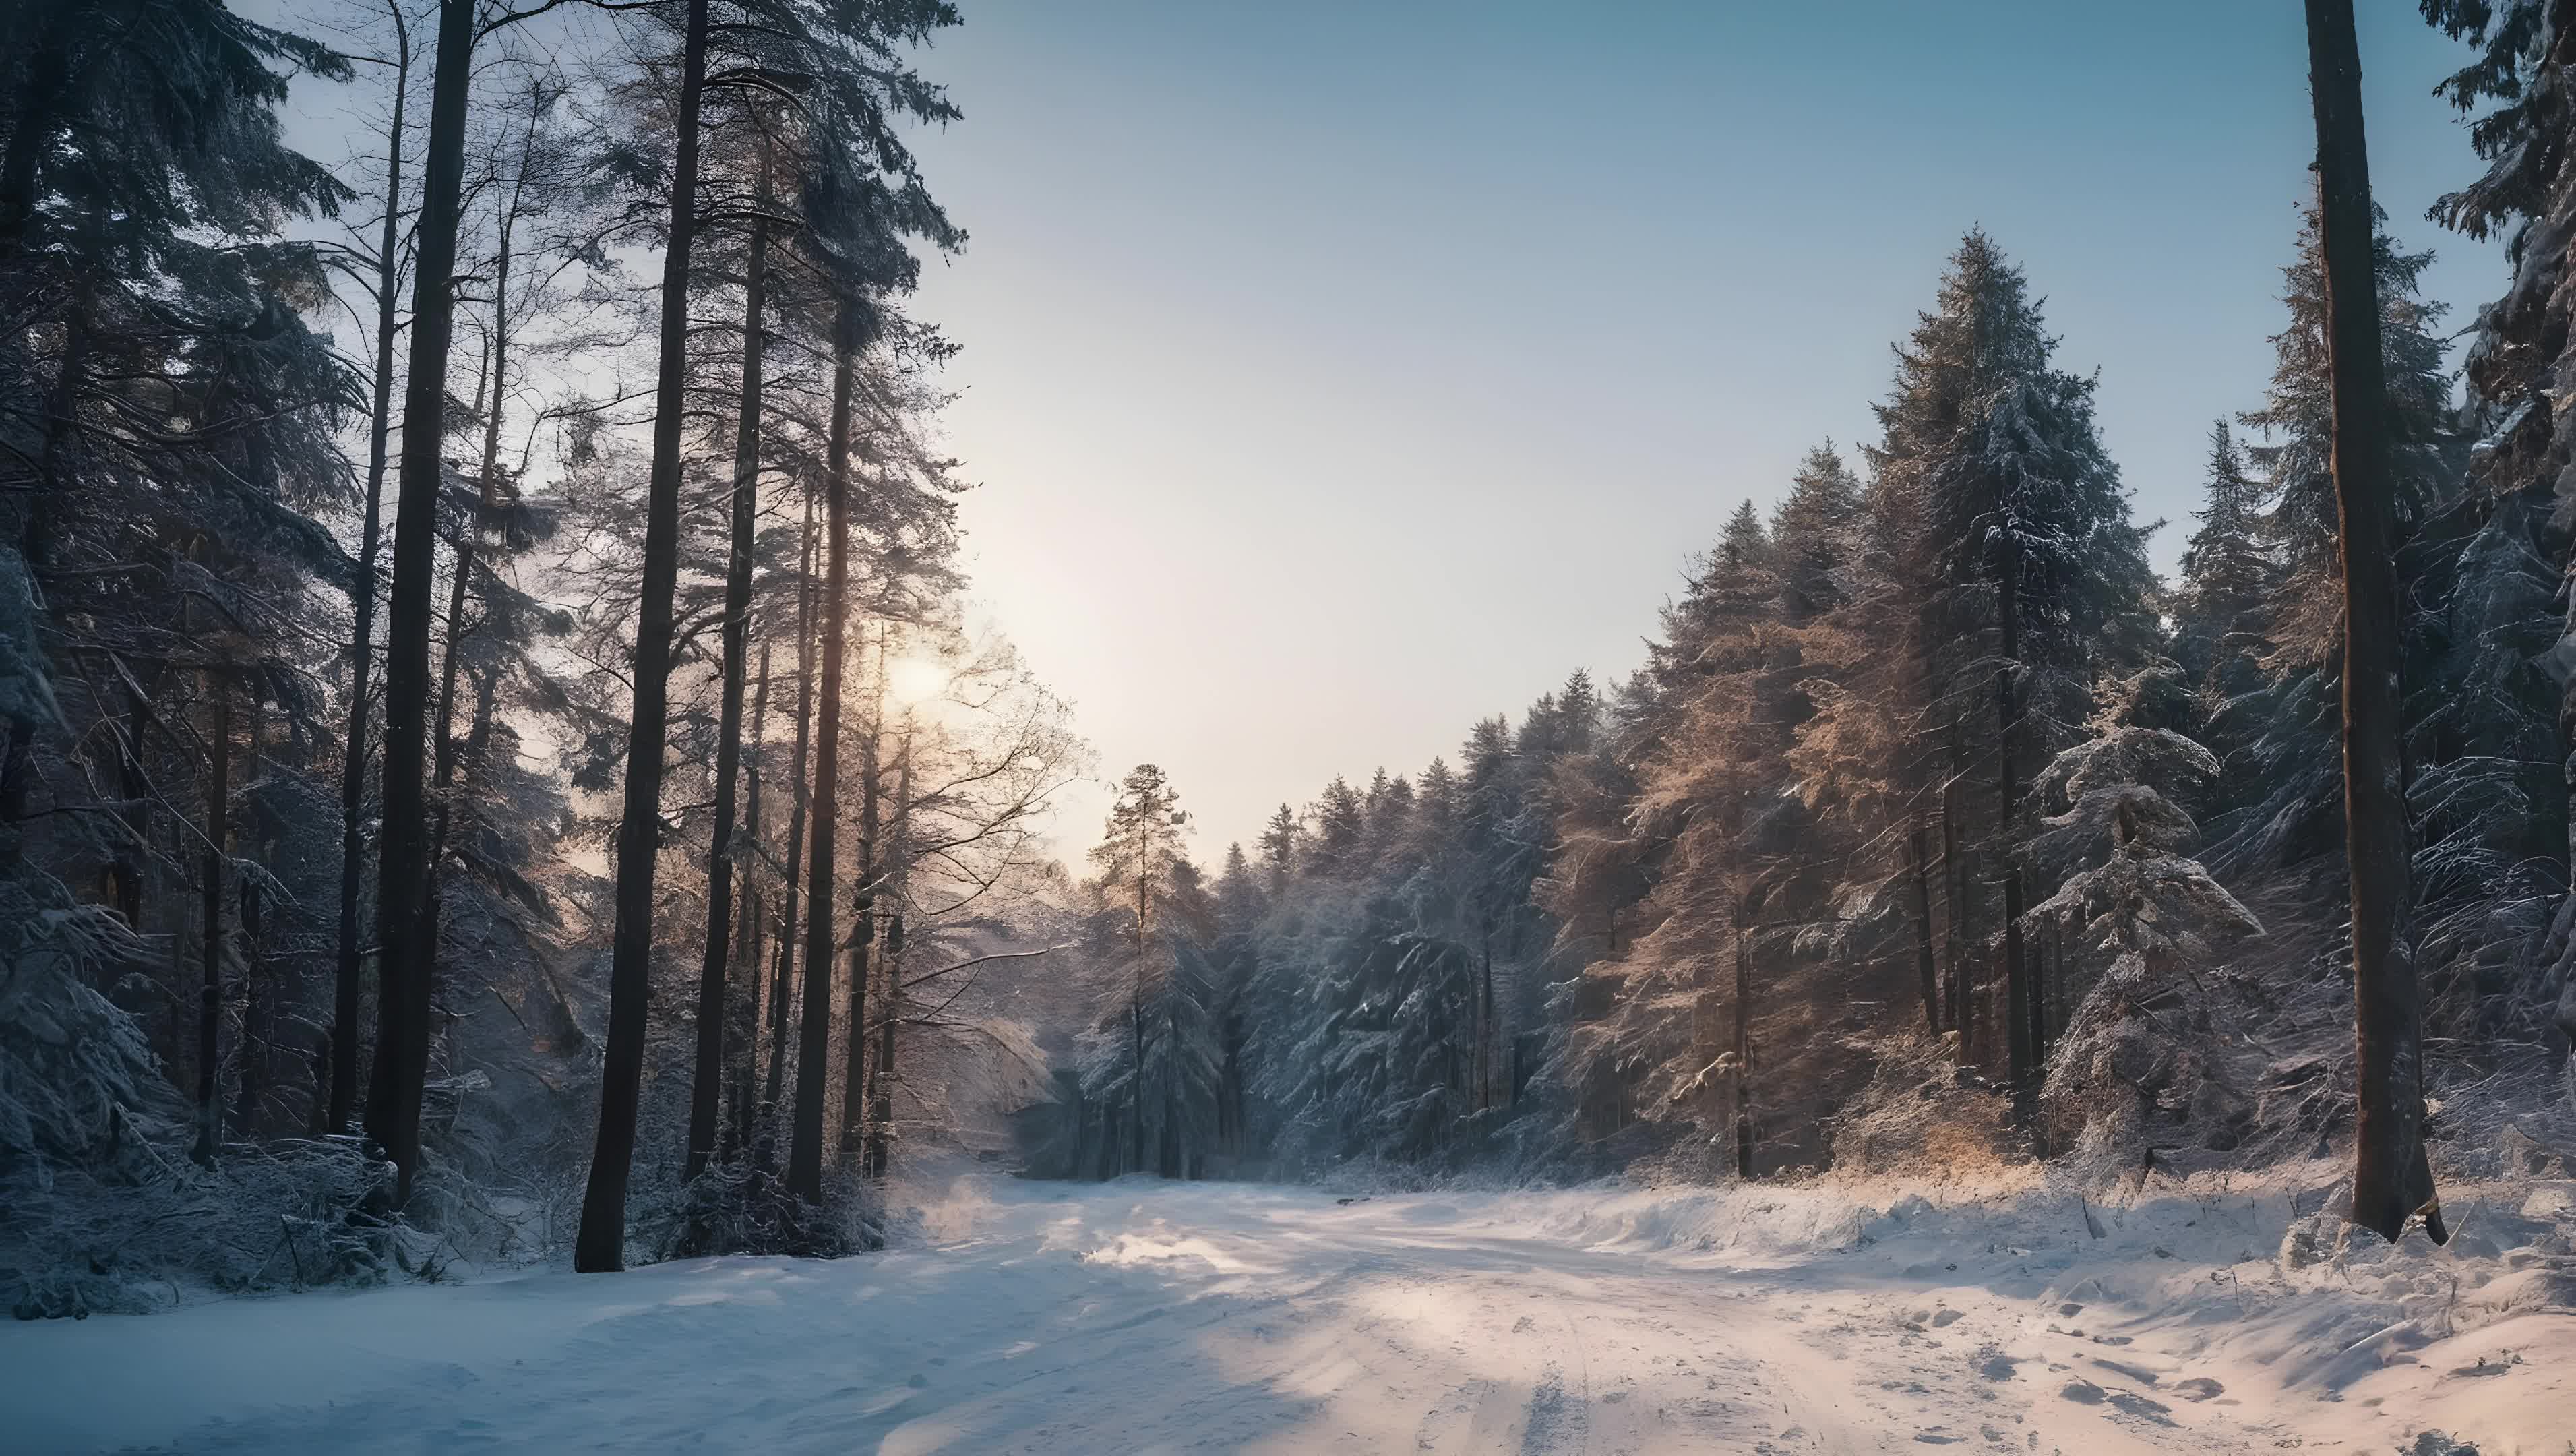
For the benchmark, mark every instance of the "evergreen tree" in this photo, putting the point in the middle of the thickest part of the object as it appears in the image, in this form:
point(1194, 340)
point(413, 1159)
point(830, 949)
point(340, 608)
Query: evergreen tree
point(1141, 863)
point(2038, 581)
point(1281, 842)
point(2520, 73)
point(2227, 579)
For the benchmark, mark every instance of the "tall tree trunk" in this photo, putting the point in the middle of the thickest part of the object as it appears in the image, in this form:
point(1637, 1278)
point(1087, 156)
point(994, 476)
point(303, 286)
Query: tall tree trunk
point(889, 1016)
point(706, 1079)
point(2392, 1179)
point(1743, 1048)
point(1485, 1018)
point(890, 1013)
point(742, 1033)
point(600, 1247)
point(782, 981)
point(1167, 1161)
point(257, 1013)
point(469, 549)
point(1136, 1086)
point(362, 602)
point(210, 988)
point(2020, 1066)
point(404, 996)
point(443, 730)
point(1962, 1012)
point(133, 860)
point(251, 1085)
point(1924, 968)
point(814, 1047)
point(863, 936)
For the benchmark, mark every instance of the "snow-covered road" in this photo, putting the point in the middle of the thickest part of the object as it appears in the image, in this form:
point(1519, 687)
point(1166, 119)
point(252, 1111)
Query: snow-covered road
point(1148, 1317)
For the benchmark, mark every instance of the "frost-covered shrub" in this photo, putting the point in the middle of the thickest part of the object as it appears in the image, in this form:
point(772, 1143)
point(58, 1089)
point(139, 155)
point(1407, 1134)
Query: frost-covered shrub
point(285, 1216)
point(1923, 1115)
point(744, 1208)
point(99, 1208)
point(79, 1086)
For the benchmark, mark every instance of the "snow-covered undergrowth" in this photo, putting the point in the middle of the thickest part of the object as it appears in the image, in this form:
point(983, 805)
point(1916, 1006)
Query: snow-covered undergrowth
point(1830, 1315)
point(2219, 1282)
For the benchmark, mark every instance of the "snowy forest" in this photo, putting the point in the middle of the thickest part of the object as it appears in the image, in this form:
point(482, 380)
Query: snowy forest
point(503, 769)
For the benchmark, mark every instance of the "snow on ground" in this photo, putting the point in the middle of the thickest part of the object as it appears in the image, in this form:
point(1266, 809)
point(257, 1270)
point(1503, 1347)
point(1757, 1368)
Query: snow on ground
point(1151, 1317)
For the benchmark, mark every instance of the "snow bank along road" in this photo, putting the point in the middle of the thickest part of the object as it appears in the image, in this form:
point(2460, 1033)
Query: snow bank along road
point(1153, 1317)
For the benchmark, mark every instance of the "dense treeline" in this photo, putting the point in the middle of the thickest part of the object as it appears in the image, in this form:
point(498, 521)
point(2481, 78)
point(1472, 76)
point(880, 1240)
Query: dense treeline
point(496, 760)
point(481, 627)
point(1935, 825)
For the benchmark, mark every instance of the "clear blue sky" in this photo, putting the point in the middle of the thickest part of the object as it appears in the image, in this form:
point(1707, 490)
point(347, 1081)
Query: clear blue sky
point(1338, 373)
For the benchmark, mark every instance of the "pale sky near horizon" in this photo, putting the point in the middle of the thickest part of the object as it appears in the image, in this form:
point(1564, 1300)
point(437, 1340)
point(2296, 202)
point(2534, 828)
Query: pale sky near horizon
point(1336, 374)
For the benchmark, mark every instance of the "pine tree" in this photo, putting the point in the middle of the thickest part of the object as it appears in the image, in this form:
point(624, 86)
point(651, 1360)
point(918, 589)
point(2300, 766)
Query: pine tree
point(2281, 737)
point(2037, 577)
point(2522, 66)
point(1811, 536)
point(2140, 1043)
point(1139, 857)
point(2227, 580)
point(1281, 844)
point(1341, 821)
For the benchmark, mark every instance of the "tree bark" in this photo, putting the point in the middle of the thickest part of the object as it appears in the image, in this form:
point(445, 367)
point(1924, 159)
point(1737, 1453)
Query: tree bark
point(1924, 968)
point(404, 995)
point(881, 1078)
point(782, 981)
point(742, 1034)
point(469, 541)
point(210, 987)
point(2019, 1066)
point(863, 935)
point(805, 1140)
point(1743, 1050)
point(1963, 1018)
point(2392, 1178)
point(600, 1247)
point(251, 1083)
point(890, 1014)
point(706, 1079)
point(345, 982)
point(134, 860)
